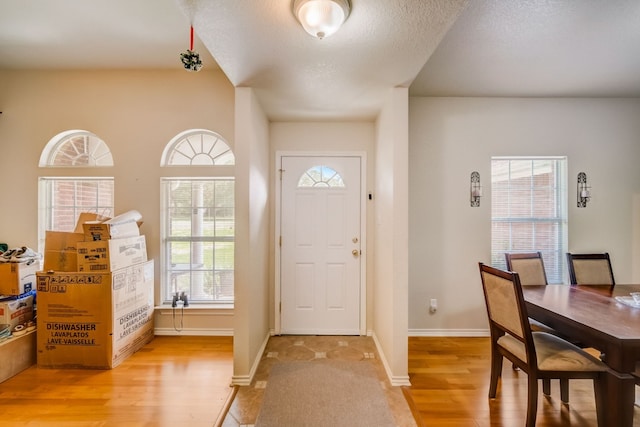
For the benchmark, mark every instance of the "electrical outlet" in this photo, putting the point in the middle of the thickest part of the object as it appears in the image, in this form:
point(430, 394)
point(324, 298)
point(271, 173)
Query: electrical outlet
point(433, 305)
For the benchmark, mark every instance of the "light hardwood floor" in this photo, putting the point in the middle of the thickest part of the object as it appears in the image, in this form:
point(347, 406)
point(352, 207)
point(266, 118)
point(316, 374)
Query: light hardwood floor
point(172, 381)
point(184, 381)
point(450, 383)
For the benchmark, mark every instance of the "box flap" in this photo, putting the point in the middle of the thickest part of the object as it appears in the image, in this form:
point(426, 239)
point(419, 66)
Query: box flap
point(88, 216)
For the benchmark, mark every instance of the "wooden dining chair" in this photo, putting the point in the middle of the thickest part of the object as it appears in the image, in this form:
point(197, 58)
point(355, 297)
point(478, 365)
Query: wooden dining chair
point(539, 354)
point(594, 269)
point(530, 268)
point(590, 269)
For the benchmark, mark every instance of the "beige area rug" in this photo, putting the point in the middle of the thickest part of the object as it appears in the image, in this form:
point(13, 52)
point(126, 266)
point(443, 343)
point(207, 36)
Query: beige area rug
point(324, 393)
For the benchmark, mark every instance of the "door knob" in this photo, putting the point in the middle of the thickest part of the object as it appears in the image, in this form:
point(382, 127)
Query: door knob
point(355, 252)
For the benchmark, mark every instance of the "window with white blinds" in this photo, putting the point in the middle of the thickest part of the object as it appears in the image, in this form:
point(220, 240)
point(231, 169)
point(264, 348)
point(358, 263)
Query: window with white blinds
point(529, 210)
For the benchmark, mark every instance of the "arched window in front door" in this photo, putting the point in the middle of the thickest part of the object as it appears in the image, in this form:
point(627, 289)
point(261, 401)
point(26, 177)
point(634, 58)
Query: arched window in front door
point(321, 176)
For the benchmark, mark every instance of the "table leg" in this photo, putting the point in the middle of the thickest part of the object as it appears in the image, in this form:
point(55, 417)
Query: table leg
point(619, 399)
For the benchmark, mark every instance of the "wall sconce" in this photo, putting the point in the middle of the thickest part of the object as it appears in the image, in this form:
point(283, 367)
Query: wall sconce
point(475, 190)
point(321, 18)
point(583, 191)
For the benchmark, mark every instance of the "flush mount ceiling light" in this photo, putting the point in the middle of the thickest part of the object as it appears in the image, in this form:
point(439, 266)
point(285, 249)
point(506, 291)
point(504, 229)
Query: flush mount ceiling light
point(321, 18)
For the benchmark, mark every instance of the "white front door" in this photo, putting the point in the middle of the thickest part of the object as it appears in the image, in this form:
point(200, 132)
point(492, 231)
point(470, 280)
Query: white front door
point(320, 245)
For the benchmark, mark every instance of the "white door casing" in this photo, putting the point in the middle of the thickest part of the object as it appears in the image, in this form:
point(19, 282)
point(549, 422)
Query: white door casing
point(321, 242)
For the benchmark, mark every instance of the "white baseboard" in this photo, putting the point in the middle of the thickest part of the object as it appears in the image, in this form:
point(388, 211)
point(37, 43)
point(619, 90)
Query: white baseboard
point(395, 380)
point(245, 380)
point(195, 332)
point(449, 333)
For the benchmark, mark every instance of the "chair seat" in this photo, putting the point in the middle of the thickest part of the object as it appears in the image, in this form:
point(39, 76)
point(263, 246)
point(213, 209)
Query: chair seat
point(553, 353)
point(537, 326)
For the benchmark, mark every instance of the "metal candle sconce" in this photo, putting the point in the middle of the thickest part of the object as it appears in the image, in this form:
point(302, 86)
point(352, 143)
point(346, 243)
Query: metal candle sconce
point(475, 189)
point(583, 190)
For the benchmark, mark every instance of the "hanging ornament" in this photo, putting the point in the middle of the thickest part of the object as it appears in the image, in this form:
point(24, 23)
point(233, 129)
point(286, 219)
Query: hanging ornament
point(190, 58)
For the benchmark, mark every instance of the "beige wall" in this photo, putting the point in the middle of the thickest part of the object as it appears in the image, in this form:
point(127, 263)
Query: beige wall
point(251, 326)
point(391, 233)
point(136, 113)
point(451, 137)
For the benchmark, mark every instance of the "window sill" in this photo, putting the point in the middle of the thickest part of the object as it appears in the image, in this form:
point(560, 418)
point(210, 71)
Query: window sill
point(198, 309)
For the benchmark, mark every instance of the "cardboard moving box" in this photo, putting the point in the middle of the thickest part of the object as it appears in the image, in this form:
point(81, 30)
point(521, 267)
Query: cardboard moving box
point(94, 320)
point(61, 251)
point(17, 311)
point(17, 354)
point(17, 278)
point(88, 216)
point(102, 256)
point(94, 230)
point(61, 247)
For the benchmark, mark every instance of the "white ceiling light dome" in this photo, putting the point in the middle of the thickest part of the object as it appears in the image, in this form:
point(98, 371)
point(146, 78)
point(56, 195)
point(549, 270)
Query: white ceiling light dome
point(321, 18)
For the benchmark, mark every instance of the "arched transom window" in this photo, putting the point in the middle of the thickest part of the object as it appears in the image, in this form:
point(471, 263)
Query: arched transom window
point(75, 148)
point(321, 176)
point(197, 147)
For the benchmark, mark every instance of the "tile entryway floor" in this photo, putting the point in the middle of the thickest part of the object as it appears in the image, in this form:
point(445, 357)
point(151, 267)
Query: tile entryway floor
point(245, 407)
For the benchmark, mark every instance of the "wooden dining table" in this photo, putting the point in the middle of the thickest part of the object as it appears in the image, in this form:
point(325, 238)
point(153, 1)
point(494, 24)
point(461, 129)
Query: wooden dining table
point(592, 316)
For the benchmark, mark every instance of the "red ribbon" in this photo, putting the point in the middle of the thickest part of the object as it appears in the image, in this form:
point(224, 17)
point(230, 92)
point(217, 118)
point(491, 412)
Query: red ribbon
point(191, 45)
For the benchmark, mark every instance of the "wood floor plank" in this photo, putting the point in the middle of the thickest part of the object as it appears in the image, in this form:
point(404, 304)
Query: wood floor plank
point(450, 383)
point(172, 381)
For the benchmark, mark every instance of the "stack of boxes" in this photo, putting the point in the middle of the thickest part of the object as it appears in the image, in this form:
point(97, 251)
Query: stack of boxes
point(95, 296)
point(17, 283)
point(17, 297)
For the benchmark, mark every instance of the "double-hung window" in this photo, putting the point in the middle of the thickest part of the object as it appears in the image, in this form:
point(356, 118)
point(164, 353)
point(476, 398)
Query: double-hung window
point(529, 210)
point(198, 219)
point(65, 194)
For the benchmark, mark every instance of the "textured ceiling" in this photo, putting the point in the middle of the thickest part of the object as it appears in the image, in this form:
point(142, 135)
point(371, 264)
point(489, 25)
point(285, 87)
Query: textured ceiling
point(93, 34)
point(529, 48)
point(538, 48)
point(382, 44)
